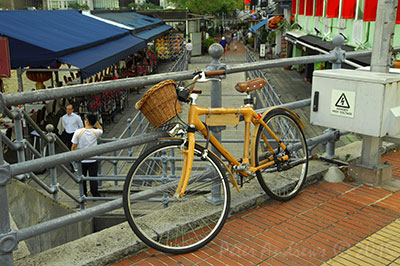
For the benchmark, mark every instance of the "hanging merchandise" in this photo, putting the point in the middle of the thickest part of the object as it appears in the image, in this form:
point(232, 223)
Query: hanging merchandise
point(162, 47)
point(175, 45)
point(170, 46)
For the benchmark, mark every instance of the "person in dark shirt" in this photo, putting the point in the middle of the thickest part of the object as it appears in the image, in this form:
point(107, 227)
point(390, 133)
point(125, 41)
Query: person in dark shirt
point(223, 43)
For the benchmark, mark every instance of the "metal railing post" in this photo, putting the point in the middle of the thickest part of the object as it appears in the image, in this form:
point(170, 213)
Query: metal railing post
point(216, 51)
point(52, 151)
point(115, 163)
point(99, 173)
point(338, 41)
point(8, 241)
point(19, 137)
point(80, 185)
point(129, 122)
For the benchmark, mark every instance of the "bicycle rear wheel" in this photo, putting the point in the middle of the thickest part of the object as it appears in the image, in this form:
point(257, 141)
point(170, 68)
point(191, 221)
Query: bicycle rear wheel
point(161, 220)
point(282, 182)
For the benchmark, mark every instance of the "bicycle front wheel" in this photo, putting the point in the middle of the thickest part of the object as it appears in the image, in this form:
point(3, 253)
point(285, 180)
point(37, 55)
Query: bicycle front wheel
point(282, 181)
point(171, 224)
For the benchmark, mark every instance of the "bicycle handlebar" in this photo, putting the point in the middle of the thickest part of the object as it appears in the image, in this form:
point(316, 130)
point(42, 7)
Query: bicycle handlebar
point(183, 95)
point(214, 73)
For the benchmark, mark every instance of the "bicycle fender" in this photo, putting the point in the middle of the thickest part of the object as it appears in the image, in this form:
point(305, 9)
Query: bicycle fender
point(295, 116)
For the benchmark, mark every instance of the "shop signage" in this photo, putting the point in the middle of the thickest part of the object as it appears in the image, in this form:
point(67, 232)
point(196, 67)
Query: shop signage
point(5, 67)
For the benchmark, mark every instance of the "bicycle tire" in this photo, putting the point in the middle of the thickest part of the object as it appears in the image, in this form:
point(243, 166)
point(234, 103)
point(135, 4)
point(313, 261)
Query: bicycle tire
point(285, 181)
point(164, 222)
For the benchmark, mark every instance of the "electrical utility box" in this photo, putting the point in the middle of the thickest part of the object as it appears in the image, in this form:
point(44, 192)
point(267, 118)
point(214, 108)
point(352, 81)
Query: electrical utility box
point(362, 102)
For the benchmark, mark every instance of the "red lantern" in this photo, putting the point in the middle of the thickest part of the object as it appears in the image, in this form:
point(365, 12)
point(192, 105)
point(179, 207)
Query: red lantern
point(39, 77)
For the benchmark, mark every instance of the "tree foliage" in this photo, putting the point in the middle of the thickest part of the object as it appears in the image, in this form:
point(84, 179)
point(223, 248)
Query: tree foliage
point(213, 7)
point(72, 5)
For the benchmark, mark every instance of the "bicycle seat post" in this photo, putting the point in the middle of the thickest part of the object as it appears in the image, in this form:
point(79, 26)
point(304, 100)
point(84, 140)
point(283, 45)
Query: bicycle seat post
point(248, 101)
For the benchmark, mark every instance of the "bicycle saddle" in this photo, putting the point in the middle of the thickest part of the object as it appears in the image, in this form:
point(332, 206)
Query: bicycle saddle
point(250, 85)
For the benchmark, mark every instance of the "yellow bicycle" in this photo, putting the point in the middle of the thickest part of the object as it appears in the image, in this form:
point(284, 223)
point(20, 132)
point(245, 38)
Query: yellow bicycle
point(176, 195)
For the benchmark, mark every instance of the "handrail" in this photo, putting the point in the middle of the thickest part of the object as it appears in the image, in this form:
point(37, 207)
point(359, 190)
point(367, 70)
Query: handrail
point(77, 155)
point(86, 89)
point(35, 126)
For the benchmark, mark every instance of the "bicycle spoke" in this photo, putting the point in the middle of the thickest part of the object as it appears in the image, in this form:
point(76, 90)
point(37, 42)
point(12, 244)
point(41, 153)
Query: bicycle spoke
point(183, 224)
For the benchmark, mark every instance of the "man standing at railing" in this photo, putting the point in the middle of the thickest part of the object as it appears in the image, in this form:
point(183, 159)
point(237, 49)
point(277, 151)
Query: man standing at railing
point(70, 122)
point(86, 138)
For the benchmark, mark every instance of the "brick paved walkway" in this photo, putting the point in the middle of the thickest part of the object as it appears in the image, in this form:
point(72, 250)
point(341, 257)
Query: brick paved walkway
point(325, 221)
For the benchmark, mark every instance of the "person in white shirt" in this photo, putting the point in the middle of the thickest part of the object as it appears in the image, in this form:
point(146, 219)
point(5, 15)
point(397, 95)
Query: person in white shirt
point(85, 138)
point(189, 48)
point(70, 122)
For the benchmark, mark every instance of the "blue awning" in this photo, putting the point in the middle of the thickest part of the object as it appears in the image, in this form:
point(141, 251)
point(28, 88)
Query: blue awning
point(95, 59)
point(132, 19)
point(153, 33)
point(145, 27)
point(259, 25)
point(40, 38)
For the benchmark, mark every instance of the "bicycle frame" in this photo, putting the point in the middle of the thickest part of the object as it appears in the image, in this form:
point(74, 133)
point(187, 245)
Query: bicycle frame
point(250, 116)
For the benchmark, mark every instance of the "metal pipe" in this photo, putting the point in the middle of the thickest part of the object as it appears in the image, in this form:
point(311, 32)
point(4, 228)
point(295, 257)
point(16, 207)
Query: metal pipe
point(77, 155)
point(43, 185)
point(9, 114)
point(63, 189)
point(327, 136)
point(35, 126)
point(92, 88)
point(68, 172)
point(7, 243)
point(279, 63)
point(19, 138)
point(322, 51)
point(292, 105)
point(53, 171)
point(61, 143)
point(12, 145)
point(32, 149)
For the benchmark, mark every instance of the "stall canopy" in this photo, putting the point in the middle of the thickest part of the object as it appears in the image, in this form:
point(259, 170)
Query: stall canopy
point(314, 41)
point(40, 38)
point(259, 25)
point(142, 26)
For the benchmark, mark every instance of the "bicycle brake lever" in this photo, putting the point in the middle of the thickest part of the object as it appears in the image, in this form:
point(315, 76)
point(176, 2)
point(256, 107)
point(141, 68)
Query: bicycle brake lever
point(203, 78)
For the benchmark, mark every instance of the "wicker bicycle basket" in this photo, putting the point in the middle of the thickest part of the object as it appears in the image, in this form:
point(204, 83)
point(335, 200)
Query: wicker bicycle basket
point(159, 104)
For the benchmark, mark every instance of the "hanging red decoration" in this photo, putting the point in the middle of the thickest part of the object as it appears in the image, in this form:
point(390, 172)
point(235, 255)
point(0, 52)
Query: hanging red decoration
point(301, 7)
point(309, 7)
point(370, 8)
point(39, 77)
point(332, 9)
point(349, 9)
point(294, 6)
point(319, 8)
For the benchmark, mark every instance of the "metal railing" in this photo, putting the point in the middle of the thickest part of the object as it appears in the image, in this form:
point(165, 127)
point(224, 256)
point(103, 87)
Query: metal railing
point(268, 95)
point(9, 238)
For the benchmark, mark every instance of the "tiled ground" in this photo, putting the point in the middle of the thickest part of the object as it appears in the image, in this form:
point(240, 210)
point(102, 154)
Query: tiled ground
point(394, 159)
point(324, 220)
